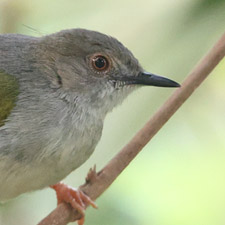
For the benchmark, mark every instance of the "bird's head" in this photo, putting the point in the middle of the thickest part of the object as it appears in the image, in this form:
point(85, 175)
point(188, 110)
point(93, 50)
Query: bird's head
point(96, 66)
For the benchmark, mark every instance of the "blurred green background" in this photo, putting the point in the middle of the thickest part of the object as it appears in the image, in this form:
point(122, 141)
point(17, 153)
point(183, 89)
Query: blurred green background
point(178, 178)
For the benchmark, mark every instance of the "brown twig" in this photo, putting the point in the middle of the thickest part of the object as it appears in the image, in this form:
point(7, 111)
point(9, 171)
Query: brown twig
point(97, 183)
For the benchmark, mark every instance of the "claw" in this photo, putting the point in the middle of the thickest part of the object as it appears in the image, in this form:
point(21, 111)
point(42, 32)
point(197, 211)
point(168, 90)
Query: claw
point(92, 175)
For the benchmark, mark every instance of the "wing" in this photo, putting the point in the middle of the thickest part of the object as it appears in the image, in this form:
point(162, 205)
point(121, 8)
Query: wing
point(9, 90)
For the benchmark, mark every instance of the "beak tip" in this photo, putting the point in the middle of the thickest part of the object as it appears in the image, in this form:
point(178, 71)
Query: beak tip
point(176, 85)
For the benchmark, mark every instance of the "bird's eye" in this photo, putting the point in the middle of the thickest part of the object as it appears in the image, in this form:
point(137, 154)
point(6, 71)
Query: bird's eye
point(100, 63)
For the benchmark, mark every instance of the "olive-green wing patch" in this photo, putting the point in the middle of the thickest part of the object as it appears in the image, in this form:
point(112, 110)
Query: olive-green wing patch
point(9, 89)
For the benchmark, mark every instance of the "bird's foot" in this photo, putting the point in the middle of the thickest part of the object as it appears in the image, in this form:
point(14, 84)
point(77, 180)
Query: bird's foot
point(76, 198)
point(92, 175)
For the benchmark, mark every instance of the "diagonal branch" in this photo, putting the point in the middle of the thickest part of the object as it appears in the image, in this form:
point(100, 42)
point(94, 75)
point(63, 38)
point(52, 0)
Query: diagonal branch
point(98, 183)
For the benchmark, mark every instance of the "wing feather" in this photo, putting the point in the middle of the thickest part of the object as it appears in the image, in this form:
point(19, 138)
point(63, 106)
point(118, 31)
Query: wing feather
point(9, 90)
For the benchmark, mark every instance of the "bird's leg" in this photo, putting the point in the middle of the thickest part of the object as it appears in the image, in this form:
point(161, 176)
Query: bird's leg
point(76, 198)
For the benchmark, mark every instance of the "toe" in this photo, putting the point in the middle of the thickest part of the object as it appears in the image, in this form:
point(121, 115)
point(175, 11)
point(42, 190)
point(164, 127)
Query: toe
point(80, 221)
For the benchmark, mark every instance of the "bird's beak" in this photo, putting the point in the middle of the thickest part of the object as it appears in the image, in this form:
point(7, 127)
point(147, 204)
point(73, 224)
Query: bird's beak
point(145, 78)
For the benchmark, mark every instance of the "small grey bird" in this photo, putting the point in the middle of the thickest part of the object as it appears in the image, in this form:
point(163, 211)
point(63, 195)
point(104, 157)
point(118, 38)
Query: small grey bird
point(55, 92)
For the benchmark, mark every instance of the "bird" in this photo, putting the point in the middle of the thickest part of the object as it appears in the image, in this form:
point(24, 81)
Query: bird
point(55, 92)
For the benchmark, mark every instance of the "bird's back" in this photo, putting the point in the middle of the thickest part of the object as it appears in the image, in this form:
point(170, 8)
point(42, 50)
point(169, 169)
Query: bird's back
point(43, 136)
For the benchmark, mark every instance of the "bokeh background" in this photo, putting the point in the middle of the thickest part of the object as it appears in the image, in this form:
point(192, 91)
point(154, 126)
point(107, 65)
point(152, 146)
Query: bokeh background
point(178, 178)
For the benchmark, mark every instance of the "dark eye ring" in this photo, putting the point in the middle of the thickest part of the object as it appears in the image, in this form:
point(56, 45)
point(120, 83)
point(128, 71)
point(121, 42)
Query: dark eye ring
point(100, 63)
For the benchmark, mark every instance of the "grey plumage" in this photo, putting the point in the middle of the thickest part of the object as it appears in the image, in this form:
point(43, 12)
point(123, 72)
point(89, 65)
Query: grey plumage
point(62, 102)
